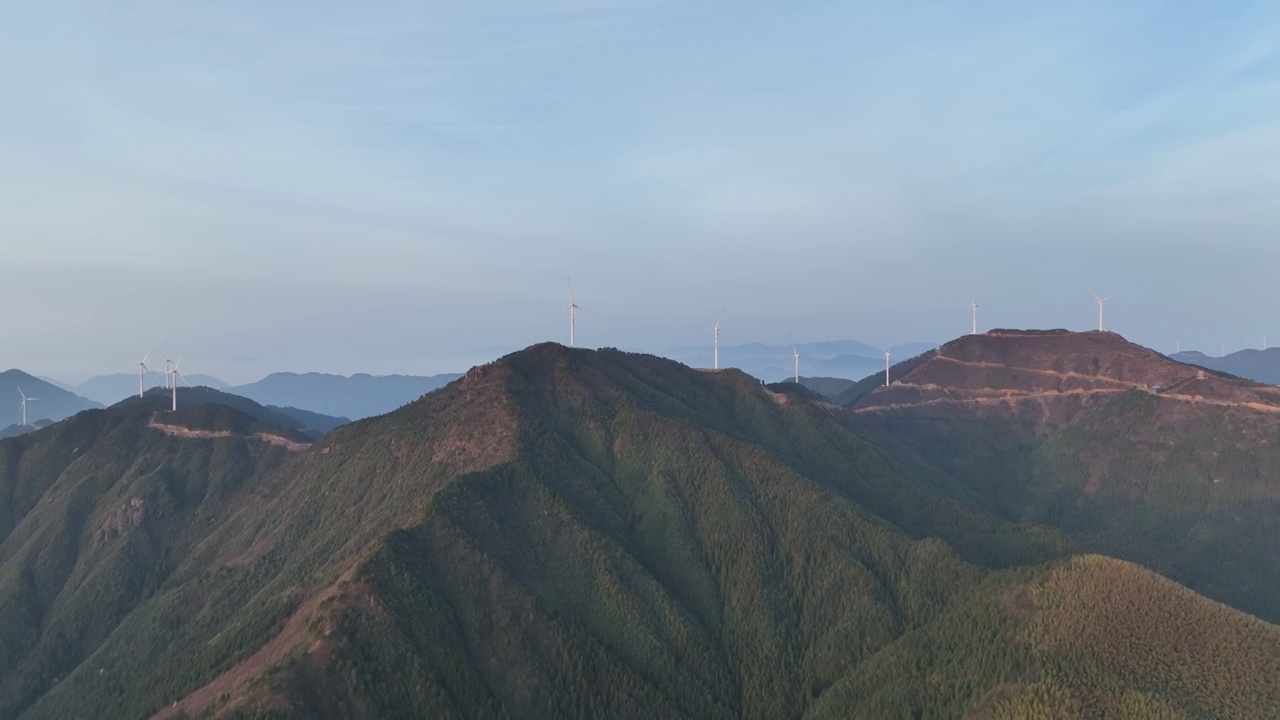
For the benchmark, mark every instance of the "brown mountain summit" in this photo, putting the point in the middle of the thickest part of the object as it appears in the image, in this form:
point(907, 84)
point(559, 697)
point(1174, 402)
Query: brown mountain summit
point(1128, 452)
point(1053, 376)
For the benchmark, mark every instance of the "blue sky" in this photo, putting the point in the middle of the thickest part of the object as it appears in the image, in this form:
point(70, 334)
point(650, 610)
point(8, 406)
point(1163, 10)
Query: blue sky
point(397, 186)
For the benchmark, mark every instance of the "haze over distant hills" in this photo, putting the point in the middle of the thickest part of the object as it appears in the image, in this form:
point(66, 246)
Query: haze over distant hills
point(364, 395)
point(358, 396)
point(575, 533)
point(111, 389)
point(1260, 365)
point(354, 397)
point(849, 359)
point(54, 403)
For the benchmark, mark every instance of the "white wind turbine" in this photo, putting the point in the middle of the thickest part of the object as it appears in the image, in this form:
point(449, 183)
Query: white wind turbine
point(174, 377)
point(1101, 302)
point(572, 310)
point(715, 333)
point(23, 405)
point(142, 374)
point(886, 368)
point(973, 305)
point(796, 354)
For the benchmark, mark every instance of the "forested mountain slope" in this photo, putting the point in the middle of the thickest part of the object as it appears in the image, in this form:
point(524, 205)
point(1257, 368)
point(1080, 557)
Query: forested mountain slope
point(571, 533)
point(1128, 452)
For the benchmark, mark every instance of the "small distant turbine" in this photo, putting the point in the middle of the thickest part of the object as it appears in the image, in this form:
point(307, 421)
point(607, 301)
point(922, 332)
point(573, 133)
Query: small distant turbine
point(715, 334)
point(572, 309)
point(1101, 302)
point(796, 354)
point(142, 374)
point(23, 405)
point(973, 305)
point(886, 368)
point(174, 377)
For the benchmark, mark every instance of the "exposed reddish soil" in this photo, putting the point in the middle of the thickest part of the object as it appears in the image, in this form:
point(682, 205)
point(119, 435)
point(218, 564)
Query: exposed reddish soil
point(190, 434)
point(1055, 377)
point(241, 686)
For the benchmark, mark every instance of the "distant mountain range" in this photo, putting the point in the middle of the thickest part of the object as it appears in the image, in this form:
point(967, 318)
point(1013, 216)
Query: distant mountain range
point(1260, 365)
point(848, 359)
point(111, 389)
point(358, 396)
point(362, 395)
point(54, 403)
point(355, 397)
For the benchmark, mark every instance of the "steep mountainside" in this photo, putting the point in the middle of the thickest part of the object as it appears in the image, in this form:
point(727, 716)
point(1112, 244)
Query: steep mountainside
point(54, 403)
point(828, 387)
point(356, 397)
point(568, 533)
point(1128, 452)
point(95, 513)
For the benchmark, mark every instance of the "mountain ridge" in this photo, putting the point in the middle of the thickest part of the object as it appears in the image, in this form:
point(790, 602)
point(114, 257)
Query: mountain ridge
point(355, 396)
point(1128, 452)
point(54, 402)
point(570, 533)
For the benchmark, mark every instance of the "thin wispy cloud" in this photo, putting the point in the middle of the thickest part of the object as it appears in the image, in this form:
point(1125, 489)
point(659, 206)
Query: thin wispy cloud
point(835, 154)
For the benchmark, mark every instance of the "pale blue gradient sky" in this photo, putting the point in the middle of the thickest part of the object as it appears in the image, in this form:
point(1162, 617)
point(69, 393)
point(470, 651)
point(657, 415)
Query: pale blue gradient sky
point(390, 186)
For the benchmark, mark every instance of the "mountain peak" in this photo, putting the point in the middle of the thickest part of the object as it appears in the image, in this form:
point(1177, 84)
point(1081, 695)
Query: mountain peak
point(1054, 375)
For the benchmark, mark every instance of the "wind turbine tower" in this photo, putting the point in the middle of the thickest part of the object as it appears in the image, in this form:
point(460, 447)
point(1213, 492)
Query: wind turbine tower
point(174, 377)
point(715, 357)
point(886, 368)
point(23, 405)
point(1101, 302)
point(573, 310)
point(796, 354)
point(973, 305)
point(142, 374)
point(715, 335)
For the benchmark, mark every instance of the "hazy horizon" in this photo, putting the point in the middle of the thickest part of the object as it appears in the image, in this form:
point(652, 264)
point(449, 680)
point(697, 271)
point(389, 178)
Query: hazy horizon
point(389, 186)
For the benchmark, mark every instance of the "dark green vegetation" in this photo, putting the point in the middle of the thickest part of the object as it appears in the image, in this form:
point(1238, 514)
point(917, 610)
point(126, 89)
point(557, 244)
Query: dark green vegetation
point(568, 533)
point(828, 387)
point(1063, 429)
point(306, 422)
point(55, 403)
